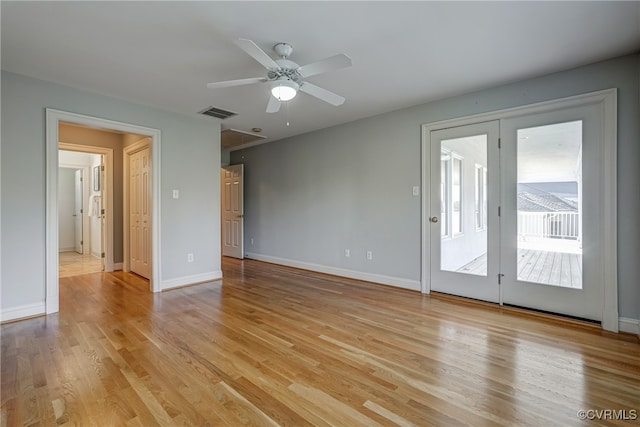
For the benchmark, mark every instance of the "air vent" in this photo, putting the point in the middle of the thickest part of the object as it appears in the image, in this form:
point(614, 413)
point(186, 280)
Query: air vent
point(217, 113)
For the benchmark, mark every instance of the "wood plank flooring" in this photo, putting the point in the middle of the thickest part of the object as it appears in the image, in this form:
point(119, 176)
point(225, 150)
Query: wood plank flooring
point(271, 345)
point(536, 266)
point(75, 264)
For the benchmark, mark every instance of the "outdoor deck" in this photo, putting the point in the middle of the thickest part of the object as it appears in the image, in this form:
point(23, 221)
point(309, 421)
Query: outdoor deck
point(551, 268)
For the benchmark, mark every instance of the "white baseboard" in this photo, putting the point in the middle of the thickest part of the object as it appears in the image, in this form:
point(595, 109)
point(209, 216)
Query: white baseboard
point(23, 311)
point(190, 280)
point(343, 272)
point(631, 326)
point(69, 249)
point(117, 266)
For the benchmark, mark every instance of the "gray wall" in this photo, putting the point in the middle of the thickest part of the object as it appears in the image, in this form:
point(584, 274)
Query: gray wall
point(309, 197)
point(190, 150)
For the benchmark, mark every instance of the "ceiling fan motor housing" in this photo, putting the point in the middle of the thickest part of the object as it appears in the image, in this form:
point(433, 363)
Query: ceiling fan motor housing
point(287, 69)
point(283, 50)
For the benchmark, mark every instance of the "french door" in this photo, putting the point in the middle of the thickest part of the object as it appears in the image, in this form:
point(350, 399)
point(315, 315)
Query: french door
point(463, 220)
point(551, 247)
point(518, 212)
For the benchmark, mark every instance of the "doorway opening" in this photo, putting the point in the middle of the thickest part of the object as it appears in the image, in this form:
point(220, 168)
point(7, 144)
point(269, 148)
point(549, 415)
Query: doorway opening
point(57, 120)
point(80, 237)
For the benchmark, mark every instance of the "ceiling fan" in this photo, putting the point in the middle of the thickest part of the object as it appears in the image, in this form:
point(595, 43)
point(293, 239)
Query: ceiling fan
point(285, 76)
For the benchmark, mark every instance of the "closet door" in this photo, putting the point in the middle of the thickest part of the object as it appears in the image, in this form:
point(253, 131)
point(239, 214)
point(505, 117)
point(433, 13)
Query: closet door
point(139, 211)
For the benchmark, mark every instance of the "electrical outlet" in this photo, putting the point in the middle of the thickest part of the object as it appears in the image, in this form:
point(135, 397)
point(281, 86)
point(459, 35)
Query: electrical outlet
point(252, 241)
point(176, 194)
point(347, 253)
point(416, 190)
point(189, 257)
point(369, 255)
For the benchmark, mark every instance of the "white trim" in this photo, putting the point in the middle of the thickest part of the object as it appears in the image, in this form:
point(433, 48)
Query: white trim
point(191, 280)
point(342, 272)
point(609, 207)
point(51, 187)
point(628, 325)
point(22, 312)
point(117, 266)
point(608, 100)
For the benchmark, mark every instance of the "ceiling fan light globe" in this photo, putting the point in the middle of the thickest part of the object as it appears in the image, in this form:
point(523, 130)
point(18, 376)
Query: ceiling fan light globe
point(284, 90)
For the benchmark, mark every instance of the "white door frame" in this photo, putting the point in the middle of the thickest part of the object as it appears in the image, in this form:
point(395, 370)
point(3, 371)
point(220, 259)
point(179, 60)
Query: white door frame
point(53, 117)
point(607, 100)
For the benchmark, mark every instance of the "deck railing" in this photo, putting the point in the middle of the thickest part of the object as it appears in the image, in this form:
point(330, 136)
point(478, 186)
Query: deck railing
point(549, 225)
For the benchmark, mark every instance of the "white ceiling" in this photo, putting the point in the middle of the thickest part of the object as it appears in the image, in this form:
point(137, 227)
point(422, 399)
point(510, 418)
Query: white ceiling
point(163, 54)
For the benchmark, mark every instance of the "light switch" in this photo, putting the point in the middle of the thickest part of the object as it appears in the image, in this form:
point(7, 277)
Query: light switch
point(176, 194)
point(416, 190)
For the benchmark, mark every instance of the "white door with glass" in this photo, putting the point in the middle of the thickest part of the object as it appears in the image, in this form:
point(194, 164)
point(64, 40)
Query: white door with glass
point(463, 222)
point(231, 179)
point(552, 245)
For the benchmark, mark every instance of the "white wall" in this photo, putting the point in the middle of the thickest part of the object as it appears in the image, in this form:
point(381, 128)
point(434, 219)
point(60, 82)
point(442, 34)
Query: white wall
point(309, 197)
point(190, 150)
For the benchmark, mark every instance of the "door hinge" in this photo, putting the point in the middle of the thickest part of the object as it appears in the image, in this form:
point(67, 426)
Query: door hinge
point(102, 255)
point(499, 142)
point(499, 210)
point(81, 211)
point(500, 275)
point(81, 242)
point(102, 211)
point(102, 168)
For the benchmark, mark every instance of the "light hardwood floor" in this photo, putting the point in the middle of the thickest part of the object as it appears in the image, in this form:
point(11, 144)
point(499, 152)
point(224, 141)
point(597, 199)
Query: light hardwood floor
point(271, 345)
point(536, 266)
point(75, 264)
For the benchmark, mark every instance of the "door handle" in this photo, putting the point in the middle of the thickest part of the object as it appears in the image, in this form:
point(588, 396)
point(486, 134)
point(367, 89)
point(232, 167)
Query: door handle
point(433, 219)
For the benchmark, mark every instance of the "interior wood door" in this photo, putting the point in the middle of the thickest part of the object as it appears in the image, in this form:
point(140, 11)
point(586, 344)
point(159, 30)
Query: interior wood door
point(139, 213)
point(232, 211)
point(78, 212)
point(464, 224)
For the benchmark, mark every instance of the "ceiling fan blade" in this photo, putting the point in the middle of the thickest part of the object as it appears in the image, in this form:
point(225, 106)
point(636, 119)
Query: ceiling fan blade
point(258, 54)
point(322, 94)
point(329, 64)
point(274, 105)
point(240, 82)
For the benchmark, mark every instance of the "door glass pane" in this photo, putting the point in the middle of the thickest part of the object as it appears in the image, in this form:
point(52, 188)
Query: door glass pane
point(464, 245)
point(456, 195)
point(549, 198)
point(445, 161)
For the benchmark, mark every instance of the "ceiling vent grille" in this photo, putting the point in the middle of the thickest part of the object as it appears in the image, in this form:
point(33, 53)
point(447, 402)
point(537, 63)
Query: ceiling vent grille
point(217, 113)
